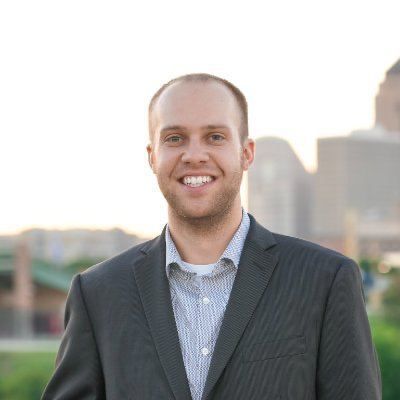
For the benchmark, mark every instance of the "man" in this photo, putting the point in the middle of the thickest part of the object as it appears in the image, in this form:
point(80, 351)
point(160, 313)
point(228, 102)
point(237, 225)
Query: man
point(216, 307)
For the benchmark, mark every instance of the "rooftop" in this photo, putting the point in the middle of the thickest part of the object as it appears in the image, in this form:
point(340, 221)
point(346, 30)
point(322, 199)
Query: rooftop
point(394, 69)
point(42, 273)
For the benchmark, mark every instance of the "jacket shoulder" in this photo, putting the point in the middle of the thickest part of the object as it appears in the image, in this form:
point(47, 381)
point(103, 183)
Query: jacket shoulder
point(304, 251)
point(117, 264)
point(295, 251)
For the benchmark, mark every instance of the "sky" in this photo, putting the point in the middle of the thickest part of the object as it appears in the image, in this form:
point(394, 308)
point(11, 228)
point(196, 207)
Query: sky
point(76, 78)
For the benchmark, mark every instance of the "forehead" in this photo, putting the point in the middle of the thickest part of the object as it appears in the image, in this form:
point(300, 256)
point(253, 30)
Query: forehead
point(196, 103)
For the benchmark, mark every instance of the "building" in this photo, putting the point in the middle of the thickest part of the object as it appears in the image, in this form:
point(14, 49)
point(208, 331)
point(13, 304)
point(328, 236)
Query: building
point(357, 192)
point(36, 268)
point(387, 101)
point(32, 295)
point(63, 246)
point(280, 189)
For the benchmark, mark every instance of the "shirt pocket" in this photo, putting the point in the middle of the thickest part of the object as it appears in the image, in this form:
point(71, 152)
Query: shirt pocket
point(275, 349)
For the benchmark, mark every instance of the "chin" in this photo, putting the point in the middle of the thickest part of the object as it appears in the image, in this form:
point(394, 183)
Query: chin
point(201, 212)
point(195, 213)
point(216, 207)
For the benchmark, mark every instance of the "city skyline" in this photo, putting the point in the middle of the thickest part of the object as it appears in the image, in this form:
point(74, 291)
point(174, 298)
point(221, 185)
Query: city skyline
point(74, 100)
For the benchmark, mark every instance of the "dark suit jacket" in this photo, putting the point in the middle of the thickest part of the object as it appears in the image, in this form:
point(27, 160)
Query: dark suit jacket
point(295, 328)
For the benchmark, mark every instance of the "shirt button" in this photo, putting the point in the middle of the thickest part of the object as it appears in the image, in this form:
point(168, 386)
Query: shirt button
point(205, 351)
point(206, 300)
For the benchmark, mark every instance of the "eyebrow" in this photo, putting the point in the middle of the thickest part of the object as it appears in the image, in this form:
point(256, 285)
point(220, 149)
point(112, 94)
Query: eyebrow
point(172, 128)
point(182, 128)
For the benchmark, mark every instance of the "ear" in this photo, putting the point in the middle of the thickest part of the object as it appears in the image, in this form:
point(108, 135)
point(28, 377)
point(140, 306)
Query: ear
point(248, 149)
point(149, 149)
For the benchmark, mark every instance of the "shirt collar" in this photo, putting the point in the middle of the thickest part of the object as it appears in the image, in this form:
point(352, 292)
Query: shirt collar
point(232, 252)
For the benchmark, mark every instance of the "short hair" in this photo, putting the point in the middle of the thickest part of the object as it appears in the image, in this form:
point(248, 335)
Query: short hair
point(203, 77)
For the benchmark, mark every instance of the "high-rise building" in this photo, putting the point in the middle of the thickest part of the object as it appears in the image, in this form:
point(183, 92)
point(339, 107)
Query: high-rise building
point(387, 101)
point(357, 188)
point(279, 188)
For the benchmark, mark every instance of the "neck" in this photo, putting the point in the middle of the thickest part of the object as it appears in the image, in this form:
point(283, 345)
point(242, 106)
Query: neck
point(203, 240)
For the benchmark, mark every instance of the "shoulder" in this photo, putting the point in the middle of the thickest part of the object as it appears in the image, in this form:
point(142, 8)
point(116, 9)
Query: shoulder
point(301, 245)
point(302, 252)
point(294, 254)
point(117, 265)
point(307, 262)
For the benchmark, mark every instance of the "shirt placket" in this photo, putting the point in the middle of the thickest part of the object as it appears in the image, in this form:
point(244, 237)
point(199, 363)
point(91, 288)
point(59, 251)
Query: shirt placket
point(203, 343)
point(189, 326)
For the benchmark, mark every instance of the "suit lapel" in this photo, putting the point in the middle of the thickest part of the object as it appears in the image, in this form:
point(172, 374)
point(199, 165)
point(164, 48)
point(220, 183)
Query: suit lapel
point(255, 269)
point(154, 291)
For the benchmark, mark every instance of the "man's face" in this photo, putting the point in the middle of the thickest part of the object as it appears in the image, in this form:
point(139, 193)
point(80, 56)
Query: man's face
point(196, 151)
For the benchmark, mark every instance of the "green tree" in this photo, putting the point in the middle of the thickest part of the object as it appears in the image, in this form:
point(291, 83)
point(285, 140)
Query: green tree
point(391, 300)
point(386, 336)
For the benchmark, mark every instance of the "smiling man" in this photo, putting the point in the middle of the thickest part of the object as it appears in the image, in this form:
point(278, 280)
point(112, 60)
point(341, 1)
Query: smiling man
point(199, 150)
point(216, 307)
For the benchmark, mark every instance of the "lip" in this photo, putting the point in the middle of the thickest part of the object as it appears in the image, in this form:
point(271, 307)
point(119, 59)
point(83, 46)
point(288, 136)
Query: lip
point(196, 174)
point(199, 189)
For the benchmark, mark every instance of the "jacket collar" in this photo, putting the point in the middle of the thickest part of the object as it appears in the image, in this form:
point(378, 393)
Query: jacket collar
point(256, 266)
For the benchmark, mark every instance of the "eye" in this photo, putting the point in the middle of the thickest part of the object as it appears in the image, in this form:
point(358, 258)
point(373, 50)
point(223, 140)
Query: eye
point(173, 139)
point(216, 137)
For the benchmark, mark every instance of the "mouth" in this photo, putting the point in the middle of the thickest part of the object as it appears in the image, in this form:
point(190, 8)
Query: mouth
point(191, 181)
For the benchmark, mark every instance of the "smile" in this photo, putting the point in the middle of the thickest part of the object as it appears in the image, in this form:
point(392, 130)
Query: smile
point(196, 181)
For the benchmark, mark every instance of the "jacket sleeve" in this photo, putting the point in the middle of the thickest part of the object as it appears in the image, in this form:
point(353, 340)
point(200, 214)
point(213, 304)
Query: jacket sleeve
point(348, 366)
point(78, 373)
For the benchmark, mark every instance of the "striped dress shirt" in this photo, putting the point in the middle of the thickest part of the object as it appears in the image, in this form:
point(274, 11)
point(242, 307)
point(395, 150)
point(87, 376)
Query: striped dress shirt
point(199, 303)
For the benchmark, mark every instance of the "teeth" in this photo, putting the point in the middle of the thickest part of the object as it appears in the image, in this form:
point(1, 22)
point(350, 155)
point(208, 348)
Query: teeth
point(195, 181)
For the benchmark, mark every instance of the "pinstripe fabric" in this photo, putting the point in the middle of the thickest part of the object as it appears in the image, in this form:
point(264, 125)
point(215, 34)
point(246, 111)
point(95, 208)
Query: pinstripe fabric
point(198, 322)
point(295, 328)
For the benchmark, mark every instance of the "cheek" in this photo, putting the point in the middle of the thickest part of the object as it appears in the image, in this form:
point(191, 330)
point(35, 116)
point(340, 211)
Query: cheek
point(165, 162)
point(232, 159)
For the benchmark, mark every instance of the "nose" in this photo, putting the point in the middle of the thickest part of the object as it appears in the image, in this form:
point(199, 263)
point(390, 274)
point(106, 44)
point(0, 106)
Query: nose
point(195, 153)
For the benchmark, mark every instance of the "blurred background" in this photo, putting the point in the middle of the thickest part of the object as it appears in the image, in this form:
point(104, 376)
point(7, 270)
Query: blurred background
point(323, 86)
